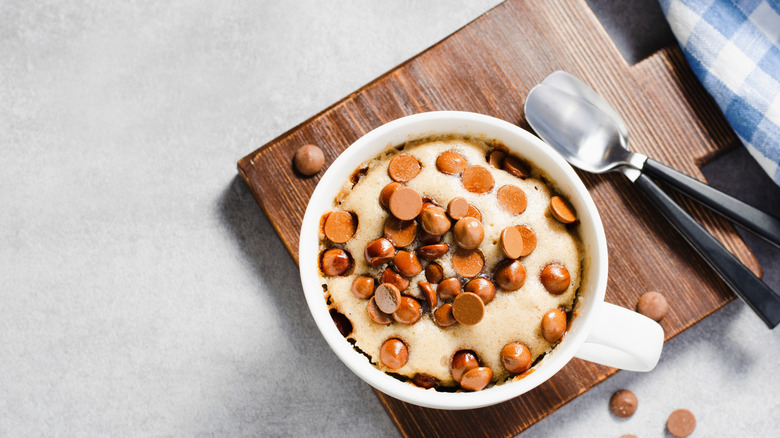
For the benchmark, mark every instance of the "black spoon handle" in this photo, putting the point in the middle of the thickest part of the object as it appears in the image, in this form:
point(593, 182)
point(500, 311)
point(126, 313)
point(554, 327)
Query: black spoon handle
point(740, 279)
point(755, 220)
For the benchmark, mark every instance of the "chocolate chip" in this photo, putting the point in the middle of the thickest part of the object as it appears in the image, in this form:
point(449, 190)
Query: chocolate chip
point(394, 354)
point(387, 298)
point(400, 233)
point(477, 179)
point(510, 275)
point(512, 199)
point(555, 278)
point(379, 251)
point(362, 287)
point(468, 308)
point(391, 277)
point(681, 423)
point(408, 311)
point(405, 203)
point(387, 191)
point(458, 208)
point(496, 159)
point(427, 239)
point(462, 362)
point(529, 239)
point(516, 358)
point(623, 403)
point(476, 379)
point(340, 226)
point(403, 168)
point(434, 221)
point(468, 233)
point(653, 305)
point(468, 263)
point(475, 213)
point(406, 263)
point(377, 315)
point(562, 211)
point(433, 252)
point(451, 163)
point(334, 262)
point(553, 325)
point(425, 381)
point(434, 273)
point(517, 167)
point(511, 242)
point(429, 293)
point(309, 159)
point(483, 287)
point(448, 288)
point(443, 315)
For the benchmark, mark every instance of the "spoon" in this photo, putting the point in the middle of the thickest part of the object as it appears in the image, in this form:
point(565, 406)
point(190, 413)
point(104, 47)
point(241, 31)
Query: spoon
point(582, 127)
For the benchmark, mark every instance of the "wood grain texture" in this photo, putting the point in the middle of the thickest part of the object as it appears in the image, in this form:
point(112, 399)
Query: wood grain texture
point(488, 67)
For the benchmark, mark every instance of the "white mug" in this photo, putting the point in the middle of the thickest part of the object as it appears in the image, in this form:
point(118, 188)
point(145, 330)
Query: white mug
point(601, 332)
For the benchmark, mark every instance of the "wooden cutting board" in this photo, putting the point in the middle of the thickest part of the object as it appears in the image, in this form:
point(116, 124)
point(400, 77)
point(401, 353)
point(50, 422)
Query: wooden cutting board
point(488, 67)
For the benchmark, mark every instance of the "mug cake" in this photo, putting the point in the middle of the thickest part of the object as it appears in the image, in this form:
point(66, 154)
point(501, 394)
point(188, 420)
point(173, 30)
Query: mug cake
point(451, 263)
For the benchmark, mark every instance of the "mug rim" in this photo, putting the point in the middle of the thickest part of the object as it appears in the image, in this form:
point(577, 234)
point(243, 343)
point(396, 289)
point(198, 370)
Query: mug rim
point(424, 125)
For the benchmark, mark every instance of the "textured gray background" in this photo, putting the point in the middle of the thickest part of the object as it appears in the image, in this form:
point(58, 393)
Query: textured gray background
point(143, 291)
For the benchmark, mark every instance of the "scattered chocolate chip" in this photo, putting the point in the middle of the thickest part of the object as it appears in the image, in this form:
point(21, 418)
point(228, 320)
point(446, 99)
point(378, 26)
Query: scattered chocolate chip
point(529, 239)
point(451, 163)
point(377, 315)
point(623, 403)
point(425, 381)
point(555, 278)
point(496, 159)
point(483, 287)
point(516, 358)
point(434, 273)
point(403, 168)
point(475, 213)
point(510, 275)
point(561, 210)
point(434, 221)
point(394, 354)
point(468, 308)
point(512, 199)
point(427, 239)
point(309, 159)
point(340, 226)
point(458, 208)
point(387, 297)
point(379, 251)
point(553, 325)
point(400, 233)
point(511, 242)
point(429, 293)
point(477, 179)
point(476, 379)
point(334, 262)
point(387, 191)
point(517, 167)
point(653, 305)
point(362, 287)
point(405, 203)
point(468, 263)
point(462, 362)
point(408, 312)
point(443, 315)
point(407, 264)
point(681, 423)
point(468, 233)
point(391, 277)
point(448, 289)
point(433, 252)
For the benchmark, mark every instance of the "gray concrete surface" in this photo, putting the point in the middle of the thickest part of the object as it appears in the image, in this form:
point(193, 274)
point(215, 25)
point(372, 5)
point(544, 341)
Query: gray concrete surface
point(142, 290)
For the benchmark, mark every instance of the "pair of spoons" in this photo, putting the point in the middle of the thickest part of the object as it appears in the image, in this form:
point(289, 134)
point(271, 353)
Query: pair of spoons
point(573, 119)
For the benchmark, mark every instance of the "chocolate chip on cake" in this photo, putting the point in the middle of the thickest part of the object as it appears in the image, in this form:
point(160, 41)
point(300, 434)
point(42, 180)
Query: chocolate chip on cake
point(653, 305)
point(562, 211)
point(387, 298)
point(496, 159)
point(429, 293)
point(405, 203)
point(334, 262)
point(434, 273)
point(434, 221)
point(443, 315)
point(379, 251)
point(477, 179)
point(408, 312)
point(553, 325)
point(510, 275)
point(462, 362)
point(451, 163)
point(407, 263)
point(476, 379)
point(363, 287)
point(468, 263)
point(340, 226)
point(376, 314)
point(529, 239)
point(516, 358)
point(517, 167)
point(468, 308)
point(458, 208)
point(511, 242)
point(468, 233)
point(483, 287)
point(623, 403)
point(400, 233)
point(512, 199)
point(394, 354)
point(309, 159)
point(448, 289)
point(387, 191)
point(389, 276)
point(555, 278)
point(433, 252)
point(403, 168)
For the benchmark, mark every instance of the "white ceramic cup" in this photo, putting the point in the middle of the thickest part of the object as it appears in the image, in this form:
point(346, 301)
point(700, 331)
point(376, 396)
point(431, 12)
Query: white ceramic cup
point(601, 332)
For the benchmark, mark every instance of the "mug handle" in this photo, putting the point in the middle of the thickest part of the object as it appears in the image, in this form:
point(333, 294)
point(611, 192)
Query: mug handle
point(624, 339)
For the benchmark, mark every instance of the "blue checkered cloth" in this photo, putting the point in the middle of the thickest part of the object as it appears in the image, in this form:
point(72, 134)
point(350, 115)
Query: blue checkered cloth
point(734, 49)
